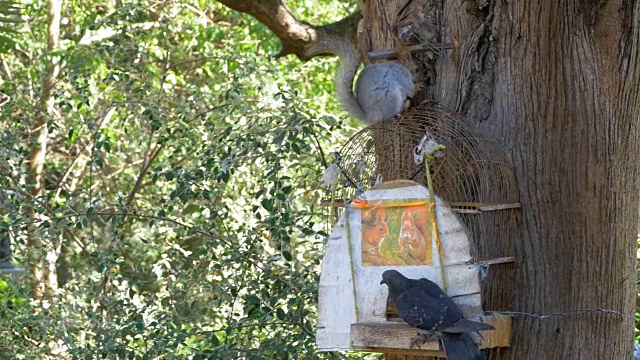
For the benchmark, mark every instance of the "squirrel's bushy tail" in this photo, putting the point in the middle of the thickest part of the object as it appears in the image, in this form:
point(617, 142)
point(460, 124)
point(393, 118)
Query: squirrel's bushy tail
point(349, 63)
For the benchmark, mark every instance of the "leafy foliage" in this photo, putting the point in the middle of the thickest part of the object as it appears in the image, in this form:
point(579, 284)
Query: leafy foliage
point(181, 186)
point(9, 12)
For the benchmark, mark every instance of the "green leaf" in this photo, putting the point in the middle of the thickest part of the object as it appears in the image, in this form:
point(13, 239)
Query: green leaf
point(214, 340)
point(287, 255)
point(267, 204)
point(252, 300)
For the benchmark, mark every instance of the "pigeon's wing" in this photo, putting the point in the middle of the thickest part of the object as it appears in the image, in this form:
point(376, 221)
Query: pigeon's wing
point(466, 325)
point(430, 287)
point(462, 325)
point(418, 307)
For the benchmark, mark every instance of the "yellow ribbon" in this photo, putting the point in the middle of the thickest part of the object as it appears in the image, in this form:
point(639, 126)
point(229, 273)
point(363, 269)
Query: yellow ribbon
point(359, 203)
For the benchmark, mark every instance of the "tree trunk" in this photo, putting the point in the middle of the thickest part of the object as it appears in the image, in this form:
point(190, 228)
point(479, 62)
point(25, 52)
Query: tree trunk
point(43, 267)
point(555, 83)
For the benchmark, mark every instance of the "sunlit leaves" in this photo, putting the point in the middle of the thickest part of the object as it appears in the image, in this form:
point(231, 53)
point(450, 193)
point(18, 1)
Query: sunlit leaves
point(182, 175)
point(9, 18)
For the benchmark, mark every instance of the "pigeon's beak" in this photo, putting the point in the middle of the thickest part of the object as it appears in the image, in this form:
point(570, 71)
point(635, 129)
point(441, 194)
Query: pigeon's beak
point(381, 281)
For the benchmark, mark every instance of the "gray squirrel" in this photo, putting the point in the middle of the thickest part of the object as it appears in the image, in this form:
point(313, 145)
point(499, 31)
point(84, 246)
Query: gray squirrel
point(381, 89)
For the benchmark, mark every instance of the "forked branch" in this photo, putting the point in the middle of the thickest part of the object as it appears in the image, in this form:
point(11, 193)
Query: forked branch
point(297, 36)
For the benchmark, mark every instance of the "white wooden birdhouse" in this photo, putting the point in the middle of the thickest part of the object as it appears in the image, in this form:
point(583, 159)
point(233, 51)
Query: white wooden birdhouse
point(396, 225)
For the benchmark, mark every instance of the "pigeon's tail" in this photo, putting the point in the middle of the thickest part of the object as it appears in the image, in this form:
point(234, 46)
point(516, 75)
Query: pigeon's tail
point(460, 347)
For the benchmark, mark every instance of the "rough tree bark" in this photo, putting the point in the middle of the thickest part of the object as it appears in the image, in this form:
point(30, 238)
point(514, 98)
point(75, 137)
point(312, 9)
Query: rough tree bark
point(43, 268)
point(557, 84)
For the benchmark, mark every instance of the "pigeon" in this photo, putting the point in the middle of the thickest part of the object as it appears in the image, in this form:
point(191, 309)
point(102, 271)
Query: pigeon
point(423, 304)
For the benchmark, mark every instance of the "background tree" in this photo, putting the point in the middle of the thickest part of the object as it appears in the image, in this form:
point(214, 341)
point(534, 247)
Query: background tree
point(43, 267)
point(556, 84)
point(178, 195)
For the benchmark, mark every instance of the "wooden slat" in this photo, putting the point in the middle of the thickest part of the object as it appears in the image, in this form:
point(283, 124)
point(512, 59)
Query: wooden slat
point(394, 336)
point(502, 260)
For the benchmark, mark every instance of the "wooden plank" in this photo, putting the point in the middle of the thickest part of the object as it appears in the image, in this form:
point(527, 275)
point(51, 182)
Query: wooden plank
point(336, 310)
point(389, 335)
point(329, 203)
point(394, 336)
point(467, 211)
point(502, 260)
point(478, 208)
point(500, 207)
point(414, 49)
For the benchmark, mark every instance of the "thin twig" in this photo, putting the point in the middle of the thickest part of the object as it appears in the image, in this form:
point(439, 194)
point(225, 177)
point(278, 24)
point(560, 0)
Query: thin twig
point(149, 159)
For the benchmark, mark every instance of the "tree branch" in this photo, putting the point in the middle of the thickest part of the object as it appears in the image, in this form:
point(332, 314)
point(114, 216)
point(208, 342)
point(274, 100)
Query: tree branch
point(296, 36)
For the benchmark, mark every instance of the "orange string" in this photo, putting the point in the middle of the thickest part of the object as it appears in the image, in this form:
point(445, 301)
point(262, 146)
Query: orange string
point(359, 203)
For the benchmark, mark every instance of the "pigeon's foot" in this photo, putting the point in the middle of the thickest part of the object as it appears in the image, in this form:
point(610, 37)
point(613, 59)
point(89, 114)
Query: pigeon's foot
point(417, 342)
point(422, 337)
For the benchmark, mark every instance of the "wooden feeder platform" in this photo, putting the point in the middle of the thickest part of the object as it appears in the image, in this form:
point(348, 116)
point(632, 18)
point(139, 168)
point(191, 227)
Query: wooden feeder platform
point(353, 312)
point(394, 337)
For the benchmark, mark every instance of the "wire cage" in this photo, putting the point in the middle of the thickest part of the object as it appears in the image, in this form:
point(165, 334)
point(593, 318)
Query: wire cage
point(471, 174)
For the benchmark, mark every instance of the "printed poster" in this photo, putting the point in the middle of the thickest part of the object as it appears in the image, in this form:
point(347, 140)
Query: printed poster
point(396, 232)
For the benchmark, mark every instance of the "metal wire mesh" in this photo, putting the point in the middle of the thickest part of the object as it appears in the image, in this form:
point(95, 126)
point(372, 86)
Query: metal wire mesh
point(472, 174)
